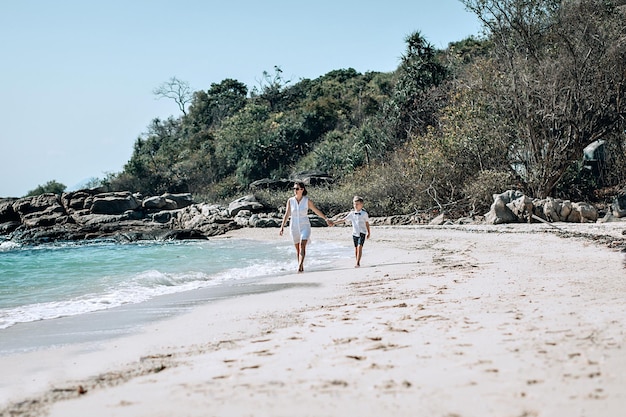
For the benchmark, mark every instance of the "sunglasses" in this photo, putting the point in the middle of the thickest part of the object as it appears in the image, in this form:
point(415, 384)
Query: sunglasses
point(297, 189)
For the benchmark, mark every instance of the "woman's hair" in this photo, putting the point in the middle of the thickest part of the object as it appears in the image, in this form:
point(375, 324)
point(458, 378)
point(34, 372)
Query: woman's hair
point(301, 185)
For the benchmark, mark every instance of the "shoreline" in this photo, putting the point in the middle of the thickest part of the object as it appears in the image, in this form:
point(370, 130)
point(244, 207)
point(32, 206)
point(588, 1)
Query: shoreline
point(437, 321)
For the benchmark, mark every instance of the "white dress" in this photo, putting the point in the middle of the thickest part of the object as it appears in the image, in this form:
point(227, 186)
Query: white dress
point(299, 225)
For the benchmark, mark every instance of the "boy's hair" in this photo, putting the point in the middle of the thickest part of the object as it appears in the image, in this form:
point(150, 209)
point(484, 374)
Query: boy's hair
point(357, 199)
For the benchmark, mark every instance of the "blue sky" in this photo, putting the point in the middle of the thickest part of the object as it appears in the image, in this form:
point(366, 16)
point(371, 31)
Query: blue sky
point(77, 76)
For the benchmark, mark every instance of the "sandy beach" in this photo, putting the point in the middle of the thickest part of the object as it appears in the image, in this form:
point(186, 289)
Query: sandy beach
point(452, 321)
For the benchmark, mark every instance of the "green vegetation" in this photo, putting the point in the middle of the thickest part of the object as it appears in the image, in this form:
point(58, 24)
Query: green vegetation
point(442, 132)
point(49, 187)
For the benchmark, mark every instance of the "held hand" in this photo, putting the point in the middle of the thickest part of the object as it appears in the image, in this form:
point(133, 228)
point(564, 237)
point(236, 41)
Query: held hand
point(330, 222)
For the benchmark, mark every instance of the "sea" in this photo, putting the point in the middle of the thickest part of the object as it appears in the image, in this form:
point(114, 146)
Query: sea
point(55, 294)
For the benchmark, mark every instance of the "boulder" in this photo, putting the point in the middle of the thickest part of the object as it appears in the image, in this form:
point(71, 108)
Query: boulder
point(262, 222)
point(155, 202)
point(552, 210)
point(582, 213)
point(566, 209)
point(438, 221)
point(88, 214)
point(162, 216)
point(548, 209)
point(313, 178)
point(522, 208)
point(269, 184)
point(8, 227)
point(7, 213)
point(243, 218)
point(317, 221)
point(181, 200)
point(77, 200)
point(618, 207)
point(38, 204)
point(41, 211)
point(248, 202)
point(500, 212)
point(167, 202)
point(396, 220)
point(113, 203)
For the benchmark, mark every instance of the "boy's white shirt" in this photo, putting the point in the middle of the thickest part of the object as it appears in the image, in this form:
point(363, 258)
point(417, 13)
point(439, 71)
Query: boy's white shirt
point(358, 221)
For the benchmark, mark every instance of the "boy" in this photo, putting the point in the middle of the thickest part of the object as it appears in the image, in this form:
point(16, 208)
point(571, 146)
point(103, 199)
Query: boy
point(360, 227)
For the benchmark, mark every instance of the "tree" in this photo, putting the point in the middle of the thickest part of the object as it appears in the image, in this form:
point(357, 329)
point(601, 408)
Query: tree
point(210, 108)
point(415, 101)
point(558, 80)
point(177, 90)
point(154, 166)
point(271, 88)
point(50, 187)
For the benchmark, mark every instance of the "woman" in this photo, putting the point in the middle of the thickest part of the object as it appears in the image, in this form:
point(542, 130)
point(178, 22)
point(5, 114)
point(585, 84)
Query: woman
point(300, 227)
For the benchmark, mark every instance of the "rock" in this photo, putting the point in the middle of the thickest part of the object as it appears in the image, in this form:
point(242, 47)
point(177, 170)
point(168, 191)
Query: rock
point(500, 212)
point(248, 202)
point(161, 216)
point(400, 219)
point(123, 216)
point(552, 210)
point(549, 209)
point(317, 221)
point(7, 212)
point(78, 200)
point(165, 202)
point(8, 227)
point(182, 200)
point(583, 213)
point(38, 204)
point(114, 203)
point(262, 222)
point(184, 235)
point(438, 221)
point(155, 202)
point(269, 184)
point(313, 178)
point(243, 218)
point(618, 207)
point(41, 211)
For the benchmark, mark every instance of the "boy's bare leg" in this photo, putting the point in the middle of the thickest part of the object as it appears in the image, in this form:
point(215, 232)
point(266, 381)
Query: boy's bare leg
point(358, 252)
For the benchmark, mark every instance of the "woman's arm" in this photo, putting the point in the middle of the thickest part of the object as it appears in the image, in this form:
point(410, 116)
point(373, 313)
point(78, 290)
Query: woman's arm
point(285, 217)
point(319, 212)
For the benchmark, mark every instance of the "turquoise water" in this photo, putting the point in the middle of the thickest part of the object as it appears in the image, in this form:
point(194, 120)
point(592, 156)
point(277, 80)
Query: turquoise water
point(51, 281)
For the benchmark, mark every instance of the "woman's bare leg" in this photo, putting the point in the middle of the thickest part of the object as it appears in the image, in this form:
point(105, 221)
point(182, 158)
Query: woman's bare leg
point(297, 245)
point(302, 254)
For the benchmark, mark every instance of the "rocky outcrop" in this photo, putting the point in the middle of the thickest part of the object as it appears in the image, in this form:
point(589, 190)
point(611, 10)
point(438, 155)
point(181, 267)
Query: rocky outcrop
point(124, 216)
point(513, 206)
point(92, 214)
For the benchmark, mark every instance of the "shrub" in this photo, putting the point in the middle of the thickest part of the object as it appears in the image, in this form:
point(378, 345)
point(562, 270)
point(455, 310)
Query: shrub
point(479, 190)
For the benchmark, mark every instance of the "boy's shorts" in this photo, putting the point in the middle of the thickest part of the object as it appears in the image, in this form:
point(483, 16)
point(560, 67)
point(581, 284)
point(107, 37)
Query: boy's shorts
point(359, 240)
